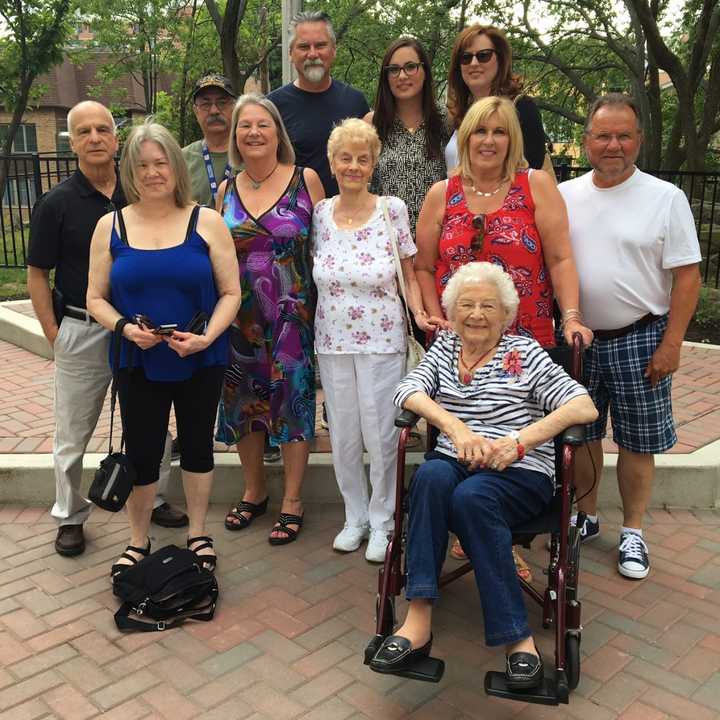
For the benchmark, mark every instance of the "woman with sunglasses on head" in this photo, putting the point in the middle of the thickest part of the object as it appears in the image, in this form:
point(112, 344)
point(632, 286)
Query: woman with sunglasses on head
point(412, 128)
point(498, 210)
point(480, 66)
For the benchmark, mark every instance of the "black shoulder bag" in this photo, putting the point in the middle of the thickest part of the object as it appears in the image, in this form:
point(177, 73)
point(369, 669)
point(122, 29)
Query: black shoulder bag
point(164, 589)
point(115, 478)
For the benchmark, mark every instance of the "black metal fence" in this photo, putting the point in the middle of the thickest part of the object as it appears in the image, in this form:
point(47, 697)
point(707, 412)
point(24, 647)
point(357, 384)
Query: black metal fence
point(31, 175)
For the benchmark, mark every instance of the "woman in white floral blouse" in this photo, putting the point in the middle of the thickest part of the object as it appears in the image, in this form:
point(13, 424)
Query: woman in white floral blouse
point(360, 331)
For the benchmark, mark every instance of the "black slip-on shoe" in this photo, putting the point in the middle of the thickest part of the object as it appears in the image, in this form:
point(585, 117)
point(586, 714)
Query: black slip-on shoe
point(524, 671)
point(396, 653)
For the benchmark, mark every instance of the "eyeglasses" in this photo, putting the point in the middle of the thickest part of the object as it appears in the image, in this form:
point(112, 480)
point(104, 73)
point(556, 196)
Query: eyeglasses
point(482, 56)
point(409, 68)
point(478, 223)
point(221, 104)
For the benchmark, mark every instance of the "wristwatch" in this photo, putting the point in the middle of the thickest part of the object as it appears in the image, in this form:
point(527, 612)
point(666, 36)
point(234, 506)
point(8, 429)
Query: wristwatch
point(515, 435)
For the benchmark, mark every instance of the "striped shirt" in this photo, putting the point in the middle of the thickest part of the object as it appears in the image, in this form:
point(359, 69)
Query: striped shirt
point(517, 387)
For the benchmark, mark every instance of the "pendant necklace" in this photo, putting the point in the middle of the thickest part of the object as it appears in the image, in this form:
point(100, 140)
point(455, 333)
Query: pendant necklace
point(468, 374)
point(486, 194)
point(349, 220)
point(255, 184)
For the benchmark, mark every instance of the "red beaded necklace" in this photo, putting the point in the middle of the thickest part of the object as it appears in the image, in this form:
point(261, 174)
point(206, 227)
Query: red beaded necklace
point(468, 374)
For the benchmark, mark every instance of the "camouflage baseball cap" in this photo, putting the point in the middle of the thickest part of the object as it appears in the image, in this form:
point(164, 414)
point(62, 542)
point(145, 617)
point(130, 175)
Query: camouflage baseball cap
point(214, 80)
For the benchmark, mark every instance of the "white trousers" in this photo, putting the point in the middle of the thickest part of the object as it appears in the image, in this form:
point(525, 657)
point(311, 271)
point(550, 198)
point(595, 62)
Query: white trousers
point(358, 396)
point(82, 377)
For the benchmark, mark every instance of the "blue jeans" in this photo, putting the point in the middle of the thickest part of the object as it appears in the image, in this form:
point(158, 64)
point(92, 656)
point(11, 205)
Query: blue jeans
point(480, 507)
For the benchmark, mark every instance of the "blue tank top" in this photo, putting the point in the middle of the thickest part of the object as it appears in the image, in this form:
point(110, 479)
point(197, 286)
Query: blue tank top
point(169, 286)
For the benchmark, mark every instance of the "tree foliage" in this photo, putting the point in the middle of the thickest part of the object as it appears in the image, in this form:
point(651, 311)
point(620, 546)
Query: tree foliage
point(573, 51)
point(33, 41)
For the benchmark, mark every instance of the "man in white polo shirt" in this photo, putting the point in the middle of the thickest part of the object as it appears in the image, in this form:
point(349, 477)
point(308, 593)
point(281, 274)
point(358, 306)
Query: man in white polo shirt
point(637, 255)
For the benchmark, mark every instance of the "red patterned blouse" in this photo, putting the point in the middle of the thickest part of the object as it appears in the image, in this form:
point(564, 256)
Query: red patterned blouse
point(511, 240)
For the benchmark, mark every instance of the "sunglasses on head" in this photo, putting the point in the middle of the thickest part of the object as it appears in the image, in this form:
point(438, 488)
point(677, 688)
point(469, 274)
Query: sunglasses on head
point(482, 56)
point(478, 223)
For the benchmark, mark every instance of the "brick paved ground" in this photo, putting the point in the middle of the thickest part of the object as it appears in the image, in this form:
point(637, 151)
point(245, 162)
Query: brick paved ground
point(287, 640)
point(26, 421)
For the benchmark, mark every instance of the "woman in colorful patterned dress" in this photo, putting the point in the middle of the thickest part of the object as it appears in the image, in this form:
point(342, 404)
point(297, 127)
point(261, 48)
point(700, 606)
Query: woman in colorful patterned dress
point(360, 332)
point(498, 210)
point(270, 383)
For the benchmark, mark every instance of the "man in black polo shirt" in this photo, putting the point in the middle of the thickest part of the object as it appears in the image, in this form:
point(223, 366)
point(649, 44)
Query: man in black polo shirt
point(62, 223)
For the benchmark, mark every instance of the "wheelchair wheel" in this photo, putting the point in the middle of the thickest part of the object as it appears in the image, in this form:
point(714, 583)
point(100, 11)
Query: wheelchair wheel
point(389, 618)
point(572, 660)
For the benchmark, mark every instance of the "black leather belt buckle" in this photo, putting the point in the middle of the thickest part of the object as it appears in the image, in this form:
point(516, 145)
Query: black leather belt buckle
point(79, 314)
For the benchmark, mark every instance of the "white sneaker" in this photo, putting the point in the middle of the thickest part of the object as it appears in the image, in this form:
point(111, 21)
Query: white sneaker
point(377, 544)
point(350, 538)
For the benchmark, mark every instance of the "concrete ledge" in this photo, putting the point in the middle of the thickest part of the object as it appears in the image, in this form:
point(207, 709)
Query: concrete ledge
point(23, 331)
point(682, 481)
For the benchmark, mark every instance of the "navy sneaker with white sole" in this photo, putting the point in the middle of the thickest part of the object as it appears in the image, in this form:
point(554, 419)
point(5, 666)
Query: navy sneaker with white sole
point(633, 561)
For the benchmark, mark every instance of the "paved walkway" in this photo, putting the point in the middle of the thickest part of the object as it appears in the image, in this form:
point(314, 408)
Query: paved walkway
point(26, 421)
point(288, 637)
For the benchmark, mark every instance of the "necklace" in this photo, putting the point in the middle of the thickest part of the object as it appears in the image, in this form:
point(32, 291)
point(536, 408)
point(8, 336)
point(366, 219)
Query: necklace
point(468, 374)
point(257, 183)
point(487, 194)
point(350, 219)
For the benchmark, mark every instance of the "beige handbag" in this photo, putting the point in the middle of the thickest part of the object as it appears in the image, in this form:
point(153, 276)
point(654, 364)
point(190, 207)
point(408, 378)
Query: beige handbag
point(415, 351)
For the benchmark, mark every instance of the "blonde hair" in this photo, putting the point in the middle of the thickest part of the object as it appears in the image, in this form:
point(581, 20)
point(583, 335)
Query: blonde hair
point(285, 152)
point(354, 130)
point(151, 131)
point(476, 273)
point(479, 113)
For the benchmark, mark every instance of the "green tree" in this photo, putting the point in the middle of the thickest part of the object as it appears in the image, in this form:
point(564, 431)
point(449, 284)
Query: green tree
point(139, 38)
point(32, 43)
point(586, 47)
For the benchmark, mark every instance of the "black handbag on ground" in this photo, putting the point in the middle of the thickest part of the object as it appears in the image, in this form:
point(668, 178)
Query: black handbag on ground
point(115, 478)
point(164, 589)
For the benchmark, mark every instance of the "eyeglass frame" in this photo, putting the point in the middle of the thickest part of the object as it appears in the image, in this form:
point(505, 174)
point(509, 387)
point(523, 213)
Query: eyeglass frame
point(395, 70)
point(466, 57)
point(478, 223)
point(207, 105)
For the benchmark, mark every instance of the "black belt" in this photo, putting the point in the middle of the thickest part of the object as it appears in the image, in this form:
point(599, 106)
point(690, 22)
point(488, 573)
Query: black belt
point(78, 314)
point(612, 334)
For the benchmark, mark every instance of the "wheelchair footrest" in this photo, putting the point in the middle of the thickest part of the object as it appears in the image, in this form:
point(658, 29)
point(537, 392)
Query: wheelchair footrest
point(546, 694)
point(427, 669)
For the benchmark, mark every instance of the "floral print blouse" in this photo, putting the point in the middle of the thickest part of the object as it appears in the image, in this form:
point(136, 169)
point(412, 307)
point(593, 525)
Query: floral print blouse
point(359, 309)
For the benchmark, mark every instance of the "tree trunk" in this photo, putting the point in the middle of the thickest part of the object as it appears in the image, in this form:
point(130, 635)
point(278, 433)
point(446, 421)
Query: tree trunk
point(18, 112)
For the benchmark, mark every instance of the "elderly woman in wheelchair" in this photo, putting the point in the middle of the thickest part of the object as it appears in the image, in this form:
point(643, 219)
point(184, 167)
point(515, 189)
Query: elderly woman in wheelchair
point(498, 401)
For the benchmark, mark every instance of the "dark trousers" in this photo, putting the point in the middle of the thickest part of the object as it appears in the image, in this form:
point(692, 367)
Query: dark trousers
point(145, 409)
point(480, 507)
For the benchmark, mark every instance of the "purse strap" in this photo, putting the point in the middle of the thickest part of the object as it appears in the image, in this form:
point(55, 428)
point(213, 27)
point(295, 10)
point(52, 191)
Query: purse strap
point(398, 266)
point(116, 345)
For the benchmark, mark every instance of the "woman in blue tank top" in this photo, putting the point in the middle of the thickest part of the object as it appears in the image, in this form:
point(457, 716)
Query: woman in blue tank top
point(167, 260)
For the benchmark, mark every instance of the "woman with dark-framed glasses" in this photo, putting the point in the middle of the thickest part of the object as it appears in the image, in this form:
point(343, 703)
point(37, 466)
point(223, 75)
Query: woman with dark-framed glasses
point(498, 210)
point(413, 129)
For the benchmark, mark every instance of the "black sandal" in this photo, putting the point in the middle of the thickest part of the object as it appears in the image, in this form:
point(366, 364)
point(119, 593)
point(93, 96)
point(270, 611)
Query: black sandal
point(255, 510)
point(284, 520)
point(119, 568)
point(209, 562)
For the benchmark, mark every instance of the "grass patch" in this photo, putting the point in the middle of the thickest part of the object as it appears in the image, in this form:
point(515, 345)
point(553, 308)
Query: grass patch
point(13, 284)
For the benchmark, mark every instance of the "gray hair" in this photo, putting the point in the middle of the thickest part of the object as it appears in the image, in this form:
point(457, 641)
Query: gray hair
point(151, 131)
point(354, 130)
point(311, 16)
point(86, 103)
point(475, 273)
point(614, 99)
point(285, 152)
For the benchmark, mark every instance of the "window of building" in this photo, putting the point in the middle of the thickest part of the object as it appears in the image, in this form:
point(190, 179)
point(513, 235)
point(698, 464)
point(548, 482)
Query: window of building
point(25, 137)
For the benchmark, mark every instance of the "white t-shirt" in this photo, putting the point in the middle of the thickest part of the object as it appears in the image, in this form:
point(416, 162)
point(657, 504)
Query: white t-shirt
point(359, 309)
point(626, 239)
point(451, 153)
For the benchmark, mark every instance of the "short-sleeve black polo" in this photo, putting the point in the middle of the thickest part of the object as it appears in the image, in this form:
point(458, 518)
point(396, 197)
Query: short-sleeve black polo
point(61, 227)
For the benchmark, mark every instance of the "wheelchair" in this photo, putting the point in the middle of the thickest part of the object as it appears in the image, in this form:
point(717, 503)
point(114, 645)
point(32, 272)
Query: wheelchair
point(560, 604)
